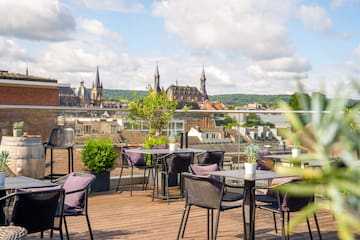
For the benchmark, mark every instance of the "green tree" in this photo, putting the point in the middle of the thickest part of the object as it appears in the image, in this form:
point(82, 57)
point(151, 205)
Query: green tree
point(299, 101)
point(252, 120)
point(229, 122)
point(156, 109)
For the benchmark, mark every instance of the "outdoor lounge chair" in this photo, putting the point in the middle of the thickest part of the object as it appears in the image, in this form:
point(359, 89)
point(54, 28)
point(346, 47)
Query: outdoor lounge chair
point(284, 204)
point(77, 188)
point(211, 156)
point(208, 193)
point(134, 160)
point(174, 165)
point(36, 209)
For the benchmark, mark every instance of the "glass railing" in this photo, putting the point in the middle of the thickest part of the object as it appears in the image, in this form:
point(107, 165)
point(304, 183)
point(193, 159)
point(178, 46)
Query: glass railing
point(194, 128)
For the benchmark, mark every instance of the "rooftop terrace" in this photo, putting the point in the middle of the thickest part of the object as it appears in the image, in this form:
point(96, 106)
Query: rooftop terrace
point(116, 215)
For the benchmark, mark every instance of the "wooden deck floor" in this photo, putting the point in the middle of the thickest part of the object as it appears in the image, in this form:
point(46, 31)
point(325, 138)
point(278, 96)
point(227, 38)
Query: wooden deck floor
point(116, 215)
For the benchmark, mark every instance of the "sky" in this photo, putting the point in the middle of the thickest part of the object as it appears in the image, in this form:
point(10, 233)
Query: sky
point(248, 46)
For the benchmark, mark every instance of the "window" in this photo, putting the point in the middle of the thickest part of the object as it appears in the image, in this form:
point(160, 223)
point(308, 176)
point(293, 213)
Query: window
point(87, 129)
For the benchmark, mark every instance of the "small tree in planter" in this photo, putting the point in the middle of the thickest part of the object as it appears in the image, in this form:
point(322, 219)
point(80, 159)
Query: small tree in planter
point(251, 154)
point(99, 157)
point(18, 128)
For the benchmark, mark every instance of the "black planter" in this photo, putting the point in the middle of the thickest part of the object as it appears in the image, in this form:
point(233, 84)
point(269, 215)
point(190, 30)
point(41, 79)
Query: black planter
point(102, 182)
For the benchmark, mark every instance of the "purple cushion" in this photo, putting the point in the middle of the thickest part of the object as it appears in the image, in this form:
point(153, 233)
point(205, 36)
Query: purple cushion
point(135, 159)
point(75, 201)
point(203, 169)
point(262, 163)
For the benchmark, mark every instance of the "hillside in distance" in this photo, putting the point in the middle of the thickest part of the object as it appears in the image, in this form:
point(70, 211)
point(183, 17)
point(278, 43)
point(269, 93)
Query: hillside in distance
point(229, 99)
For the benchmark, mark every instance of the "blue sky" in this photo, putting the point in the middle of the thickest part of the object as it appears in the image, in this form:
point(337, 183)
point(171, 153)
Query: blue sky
point(247, 46)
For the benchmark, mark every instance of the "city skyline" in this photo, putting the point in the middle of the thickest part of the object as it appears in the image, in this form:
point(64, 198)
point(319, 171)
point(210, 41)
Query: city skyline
point(255, 47)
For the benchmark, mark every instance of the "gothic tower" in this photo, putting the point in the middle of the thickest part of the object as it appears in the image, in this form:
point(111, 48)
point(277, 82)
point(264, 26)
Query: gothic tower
point(157, 79)
point(202, 84)
point(97, 90)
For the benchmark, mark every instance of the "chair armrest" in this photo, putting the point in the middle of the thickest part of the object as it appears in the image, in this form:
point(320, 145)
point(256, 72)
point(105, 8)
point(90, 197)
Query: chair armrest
point(7, 196)
point(75, 191)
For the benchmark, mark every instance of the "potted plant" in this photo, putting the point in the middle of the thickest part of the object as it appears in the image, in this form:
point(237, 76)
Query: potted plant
point(296, 150)
point(18, 128)
point(99, 157)
point(4, 155)
point(172, 143)
point(251, 155)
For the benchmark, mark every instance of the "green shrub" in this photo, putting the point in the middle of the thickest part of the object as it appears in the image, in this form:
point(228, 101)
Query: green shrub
point(99, 155)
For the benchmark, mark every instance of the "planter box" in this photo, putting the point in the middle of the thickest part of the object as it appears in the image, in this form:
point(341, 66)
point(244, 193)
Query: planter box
point(102, 182)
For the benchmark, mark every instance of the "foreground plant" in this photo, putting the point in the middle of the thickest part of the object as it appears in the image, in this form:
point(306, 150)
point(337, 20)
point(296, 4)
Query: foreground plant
point(330, 133)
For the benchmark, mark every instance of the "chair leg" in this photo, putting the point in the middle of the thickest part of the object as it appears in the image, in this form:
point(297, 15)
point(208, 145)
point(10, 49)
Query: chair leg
point(167, 187)
point(287, 226)
point(119, 180)
point(144, 180)
point(208, 224)
point(217, 224)
point(131, 180)
point(182, 223)
point(186, 219)
point(89, 226)
point(317, 226)
point(69, 161)
point(66, 229)
point(275, 226)
point(72, 158)
point(51, 165)
point(309, 228)
point(155, 183)
point(61, 234)
point(282, 221)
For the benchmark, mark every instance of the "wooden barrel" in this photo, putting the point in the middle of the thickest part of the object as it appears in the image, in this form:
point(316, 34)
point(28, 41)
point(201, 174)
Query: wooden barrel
point(26, 155)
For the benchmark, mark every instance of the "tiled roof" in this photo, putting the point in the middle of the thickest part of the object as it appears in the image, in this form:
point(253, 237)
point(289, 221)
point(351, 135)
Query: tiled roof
point(23, 77)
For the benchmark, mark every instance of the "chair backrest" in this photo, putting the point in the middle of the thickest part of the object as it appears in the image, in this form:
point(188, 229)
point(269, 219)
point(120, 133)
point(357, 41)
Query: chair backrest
point(211, 157)
point(77, 187)
point(179, 162)
point(294, 203)
point(131, 158)
point(203, 169)
point(262, 162)
point(203, 191)
point(36, 209)
point(61, 137)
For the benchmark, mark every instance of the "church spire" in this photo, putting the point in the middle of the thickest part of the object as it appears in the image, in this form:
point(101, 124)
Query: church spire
point(97, 79)
point(27, 71)
point(202, 84)
point(157, 79)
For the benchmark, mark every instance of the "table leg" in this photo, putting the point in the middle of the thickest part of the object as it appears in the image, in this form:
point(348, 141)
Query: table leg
point(249, 210)
point(2, 205)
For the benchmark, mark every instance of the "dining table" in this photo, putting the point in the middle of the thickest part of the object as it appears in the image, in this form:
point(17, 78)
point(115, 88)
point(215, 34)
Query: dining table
point(17, 182)
point(157, 155)
point(285, 160)
point(249, 198)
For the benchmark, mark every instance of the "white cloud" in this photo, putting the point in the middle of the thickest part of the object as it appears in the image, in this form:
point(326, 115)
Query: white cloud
point(356, 51)
point(315, 18)
point(9, 49)
point(96, 27)
point(37, 20)
point(235, 25)
point(337, 3)
point(295, 64)
point(114, 5)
